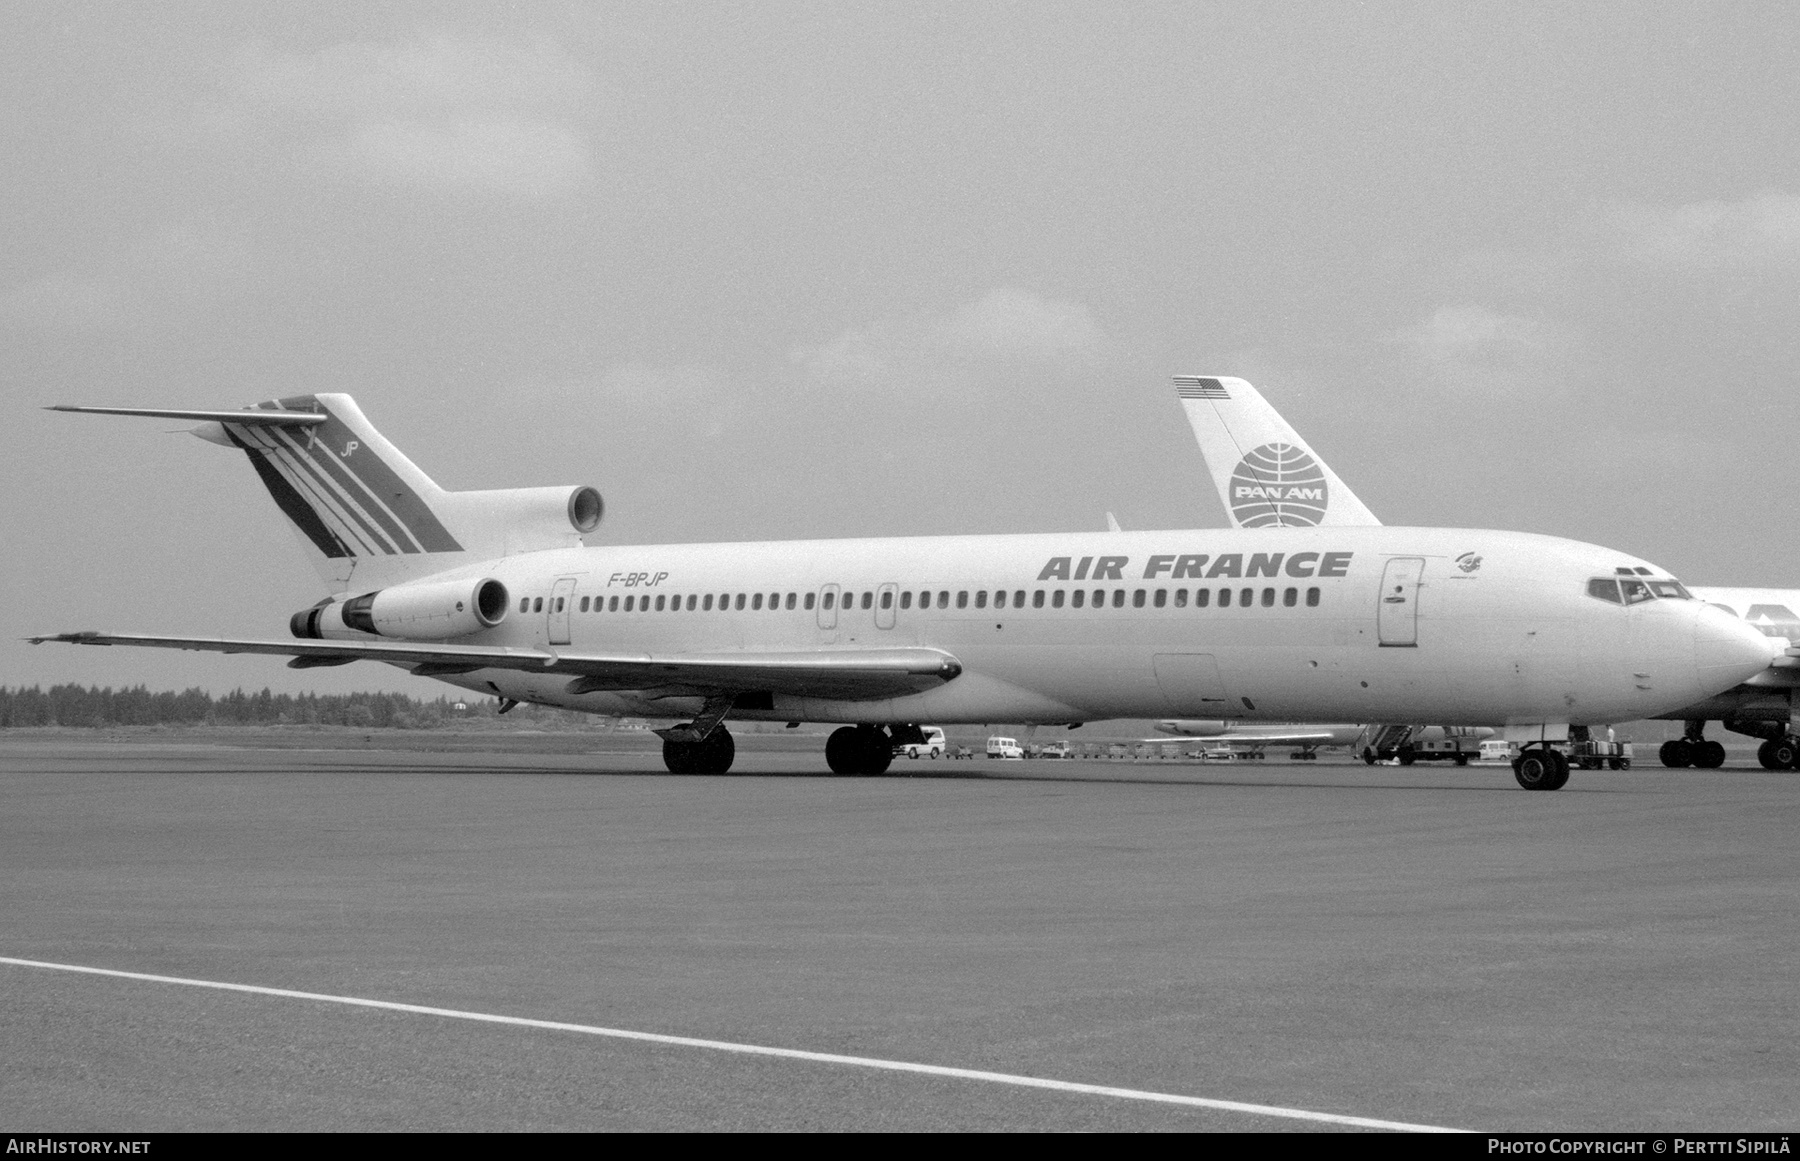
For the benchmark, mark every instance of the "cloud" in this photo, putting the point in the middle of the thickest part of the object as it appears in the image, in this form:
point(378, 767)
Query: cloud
point(442, 113)
point(168, 275)
point(1006, 325)
point(1017, 324)
point(1763, 229)
point(1474, 336)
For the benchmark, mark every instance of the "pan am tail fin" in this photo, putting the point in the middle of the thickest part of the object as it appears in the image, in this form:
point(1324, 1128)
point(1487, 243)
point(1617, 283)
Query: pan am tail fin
point(1267, 476)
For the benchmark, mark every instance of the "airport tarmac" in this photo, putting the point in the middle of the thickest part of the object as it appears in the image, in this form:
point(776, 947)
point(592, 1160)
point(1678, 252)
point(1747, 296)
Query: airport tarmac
point(1428, 944)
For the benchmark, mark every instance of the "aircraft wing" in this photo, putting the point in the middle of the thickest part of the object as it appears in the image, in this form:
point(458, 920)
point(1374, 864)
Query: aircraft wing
point(837, 673)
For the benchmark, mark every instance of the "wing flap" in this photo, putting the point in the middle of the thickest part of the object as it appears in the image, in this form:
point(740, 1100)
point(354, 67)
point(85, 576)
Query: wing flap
point(837, 673)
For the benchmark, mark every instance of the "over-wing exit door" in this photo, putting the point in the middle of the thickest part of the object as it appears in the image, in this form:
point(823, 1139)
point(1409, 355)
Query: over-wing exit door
point(1397, 616)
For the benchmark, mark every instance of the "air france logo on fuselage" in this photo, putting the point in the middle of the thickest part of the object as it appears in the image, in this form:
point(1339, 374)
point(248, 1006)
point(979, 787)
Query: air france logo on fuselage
point(1278, 486)
point(1200, 566)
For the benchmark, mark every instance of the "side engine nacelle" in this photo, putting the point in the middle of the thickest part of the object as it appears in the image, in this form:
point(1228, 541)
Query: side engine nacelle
point(428, 611)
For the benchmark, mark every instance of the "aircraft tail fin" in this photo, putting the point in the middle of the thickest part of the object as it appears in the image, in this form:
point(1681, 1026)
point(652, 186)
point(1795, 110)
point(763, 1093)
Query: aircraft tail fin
point(362, 509)
point(1267, 476)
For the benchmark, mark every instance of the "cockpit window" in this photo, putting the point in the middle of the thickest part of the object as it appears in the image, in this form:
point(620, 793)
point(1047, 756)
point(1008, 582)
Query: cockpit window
point(1636, 592)
point(1671, 589)
point(1605, 588)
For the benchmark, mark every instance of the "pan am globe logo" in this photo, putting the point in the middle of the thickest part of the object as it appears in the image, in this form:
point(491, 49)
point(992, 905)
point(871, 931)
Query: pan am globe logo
point(1278, 486)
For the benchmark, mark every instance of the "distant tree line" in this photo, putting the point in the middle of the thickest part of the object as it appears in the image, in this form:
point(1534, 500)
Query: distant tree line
point(75, 705)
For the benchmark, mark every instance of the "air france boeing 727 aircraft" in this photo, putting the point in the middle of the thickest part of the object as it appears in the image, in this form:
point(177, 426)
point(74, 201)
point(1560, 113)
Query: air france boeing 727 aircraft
point(494, 592)
point(1268, 477)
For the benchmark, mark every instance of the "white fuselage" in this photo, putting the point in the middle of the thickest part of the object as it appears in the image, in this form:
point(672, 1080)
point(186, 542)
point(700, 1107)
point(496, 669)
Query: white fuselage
point(1512, 639)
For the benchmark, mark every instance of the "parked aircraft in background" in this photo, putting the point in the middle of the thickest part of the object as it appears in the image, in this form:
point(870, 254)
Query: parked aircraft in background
point(1269, 477)
point(1306, 739)
point(494, 592)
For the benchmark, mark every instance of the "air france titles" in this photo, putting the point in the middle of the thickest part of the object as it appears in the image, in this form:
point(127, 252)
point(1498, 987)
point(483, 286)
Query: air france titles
point(1200, 566)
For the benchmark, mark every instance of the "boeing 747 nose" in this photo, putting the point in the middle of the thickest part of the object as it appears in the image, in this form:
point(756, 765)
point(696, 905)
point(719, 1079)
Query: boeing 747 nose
point(1727, 651)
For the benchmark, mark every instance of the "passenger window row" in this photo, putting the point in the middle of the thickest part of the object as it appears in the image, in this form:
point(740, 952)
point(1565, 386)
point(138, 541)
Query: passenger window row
point(941, 598)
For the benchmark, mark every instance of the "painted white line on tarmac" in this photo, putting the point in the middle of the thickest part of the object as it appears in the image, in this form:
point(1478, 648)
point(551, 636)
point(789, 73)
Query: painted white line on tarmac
point(1130, 1094)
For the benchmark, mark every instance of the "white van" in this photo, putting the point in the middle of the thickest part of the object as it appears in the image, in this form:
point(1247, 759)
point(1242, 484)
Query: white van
point(931, 747)
point(1006, 749)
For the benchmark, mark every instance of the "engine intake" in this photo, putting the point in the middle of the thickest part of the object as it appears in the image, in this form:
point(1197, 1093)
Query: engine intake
point(429, 611)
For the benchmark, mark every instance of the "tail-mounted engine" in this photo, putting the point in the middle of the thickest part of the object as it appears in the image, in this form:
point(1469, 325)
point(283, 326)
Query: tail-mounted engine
point(428, 611)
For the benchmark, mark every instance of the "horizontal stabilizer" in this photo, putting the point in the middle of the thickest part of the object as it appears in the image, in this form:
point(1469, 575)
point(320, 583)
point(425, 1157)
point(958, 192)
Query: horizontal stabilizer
point(835, 674)
point(241, 418)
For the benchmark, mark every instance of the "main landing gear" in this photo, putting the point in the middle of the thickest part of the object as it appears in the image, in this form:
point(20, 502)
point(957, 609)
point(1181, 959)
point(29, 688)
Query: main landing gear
point(712, 754)
point(704, 745)
point(1780, 750)
point(863, 750)
point(1692, 749)
point(1541, 768)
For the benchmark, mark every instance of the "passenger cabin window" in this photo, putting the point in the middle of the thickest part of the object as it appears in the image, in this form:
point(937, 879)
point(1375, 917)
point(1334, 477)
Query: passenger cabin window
point(628, 601)
point(962, 599)
point(1056, 599)
point(790, 600)
point(756, 602)
point(1137, 599)
point(867, 599)
point(981, 599)
point(830, 599)
point(1268, 598)
point(887, 600)
point(537, 604)
point(1312, 598)
point(809, 601)
point(1181, 598)
point(944, 599)
point(906, 599)
point(1246, 597)
point(524, 604)
point(1162, 598)
point(1079, 597)
point(612, 606)
point(738, 602)
point(1202, 598)
point(1119, 598)
point(1037, 599)
point(1224, 598)
point(1290, 598)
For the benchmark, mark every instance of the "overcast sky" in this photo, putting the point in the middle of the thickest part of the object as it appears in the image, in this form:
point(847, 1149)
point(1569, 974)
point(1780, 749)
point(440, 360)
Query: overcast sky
point(780, 270)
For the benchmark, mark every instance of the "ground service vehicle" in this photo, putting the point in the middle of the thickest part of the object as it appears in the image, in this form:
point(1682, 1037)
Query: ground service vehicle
point(1006, 749)
point(931, 744)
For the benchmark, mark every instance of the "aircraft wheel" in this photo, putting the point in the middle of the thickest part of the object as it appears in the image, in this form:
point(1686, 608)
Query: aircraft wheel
point(1786, 752)
point(1560, 764)
point(1709, 755)
point(1765, 754)
point(843, 750)
point(878, 752)
point(1676, 753)
point(1462, 759)
point(1368, 756)
point(716, 753)
point(1536, 769)
point(679, 756)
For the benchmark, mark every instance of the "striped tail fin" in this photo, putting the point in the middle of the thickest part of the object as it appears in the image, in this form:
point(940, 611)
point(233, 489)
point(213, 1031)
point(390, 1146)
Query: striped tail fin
point(366, 515)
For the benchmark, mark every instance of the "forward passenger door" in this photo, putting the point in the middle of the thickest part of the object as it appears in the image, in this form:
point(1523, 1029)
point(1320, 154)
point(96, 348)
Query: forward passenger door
point(1397, 616)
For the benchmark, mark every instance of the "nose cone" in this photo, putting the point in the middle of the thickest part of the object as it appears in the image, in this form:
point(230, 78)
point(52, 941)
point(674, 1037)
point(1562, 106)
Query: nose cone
point(1728, 652)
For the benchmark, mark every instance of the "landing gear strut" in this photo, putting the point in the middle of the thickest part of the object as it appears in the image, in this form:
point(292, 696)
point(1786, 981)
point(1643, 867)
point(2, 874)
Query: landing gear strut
point(859, 750)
